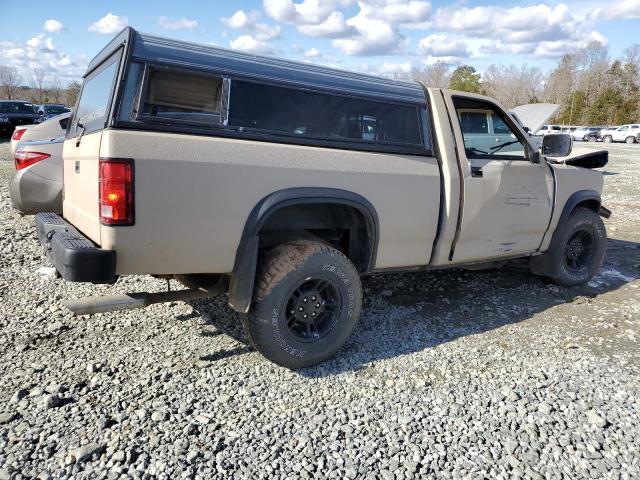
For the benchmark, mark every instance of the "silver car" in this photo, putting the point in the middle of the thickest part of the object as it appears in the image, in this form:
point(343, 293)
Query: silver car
point(37, 184)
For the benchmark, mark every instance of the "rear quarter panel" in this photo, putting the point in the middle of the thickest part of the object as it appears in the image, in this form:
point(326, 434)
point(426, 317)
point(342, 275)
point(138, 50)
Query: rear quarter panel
point(193, 195)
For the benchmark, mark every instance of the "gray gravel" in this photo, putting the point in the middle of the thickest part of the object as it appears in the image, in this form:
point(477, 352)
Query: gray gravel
point(453, 375)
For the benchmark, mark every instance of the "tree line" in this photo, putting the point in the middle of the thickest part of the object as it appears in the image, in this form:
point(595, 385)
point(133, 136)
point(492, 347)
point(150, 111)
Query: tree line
point(590, 87)
point(39, 88)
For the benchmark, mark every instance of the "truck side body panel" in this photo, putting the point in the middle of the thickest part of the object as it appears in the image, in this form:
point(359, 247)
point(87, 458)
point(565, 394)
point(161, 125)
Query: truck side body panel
point(193, 195)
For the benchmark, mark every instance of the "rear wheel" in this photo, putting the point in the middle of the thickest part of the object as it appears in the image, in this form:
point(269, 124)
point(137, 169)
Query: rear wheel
point(607, 139)
point(580, 248)
point(630, 140)
point(307, 303)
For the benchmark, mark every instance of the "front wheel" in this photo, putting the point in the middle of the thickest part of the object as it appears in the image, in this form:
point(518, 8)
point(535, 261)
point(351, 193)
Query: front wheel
point(607, 139)
point(630, 140)
point(580, 248)
point(307, 302)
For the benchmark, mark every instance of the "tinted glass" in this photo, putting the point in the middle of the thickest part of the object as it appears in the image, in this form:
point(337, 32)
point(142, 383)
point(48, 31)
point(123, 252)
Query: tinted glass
point(55, 109)
point(94, 100)
point(473, 122)
point(499, 126)
point(185, 96)
point(301, 113)
point(16, 107)
point(479, 142)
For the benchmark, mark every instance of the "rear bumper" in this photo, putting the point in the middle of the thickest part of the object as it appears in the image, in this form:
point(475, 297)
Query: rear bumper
point(75, 257)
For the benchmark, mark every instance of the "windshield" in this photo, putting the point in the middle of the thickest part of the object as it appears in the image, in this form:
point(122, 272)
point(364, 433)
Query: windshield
point(16, 107)
point(55, 109)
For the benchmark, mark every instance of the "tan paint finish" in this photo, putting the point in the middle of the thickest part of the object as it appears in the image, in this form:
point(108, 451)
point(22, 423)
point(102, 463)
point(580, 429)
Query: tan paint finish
point(506, 211)
point(80, 205)
point(193, 195)
point(568, 181)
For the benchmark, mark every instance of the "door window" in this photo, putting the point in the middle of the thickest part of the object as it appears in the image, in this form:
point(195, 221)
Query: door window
point(486, 132)
point(94, 100)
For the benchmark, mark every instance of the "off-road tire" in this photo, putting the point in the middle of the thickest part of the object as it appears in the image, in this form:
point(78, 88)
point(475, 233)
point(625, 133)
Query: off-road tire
point(607, 139)
point(281, 272)
point(630, 140)
point(581, 220)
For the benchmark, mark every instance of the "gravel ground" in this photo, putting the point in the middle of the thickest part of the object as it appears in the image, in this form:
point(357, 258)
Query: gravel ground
point(452, 375)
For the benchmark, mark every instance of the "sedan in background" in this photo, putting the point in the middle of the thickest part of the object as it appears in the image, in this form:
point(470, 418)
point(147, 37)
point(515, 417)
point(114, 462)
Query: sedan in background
point(49, 110)
point(14, 113)
point(586, 134)
point(54, 127)
point(37, 184)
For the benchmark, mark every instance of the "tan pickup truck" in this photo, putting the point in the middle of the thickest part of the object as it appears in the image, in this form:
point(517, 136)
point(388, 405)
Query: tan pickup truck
point(280, 183)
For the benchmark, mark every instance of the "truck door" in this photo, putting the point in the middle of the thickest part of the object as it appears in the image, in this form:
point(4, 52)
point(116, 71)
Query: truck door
point(507, 199)
point(81, 151)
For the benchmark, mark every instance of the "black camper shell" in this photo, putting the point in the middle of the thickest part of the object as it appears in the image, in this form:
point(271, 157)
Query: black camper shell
point(136, 55)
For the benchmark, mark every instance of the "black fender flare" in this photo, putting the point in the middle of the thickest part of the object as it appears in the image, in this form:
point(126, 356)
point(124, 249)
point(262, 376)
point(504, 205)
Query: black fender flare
point(244, 270)
point(541, 264)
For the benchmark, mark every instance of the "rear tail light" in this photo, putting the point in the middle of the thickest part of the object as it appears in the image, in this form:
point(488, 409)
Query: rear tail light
point(24, 159)
point(18, 133)
point(116, 192)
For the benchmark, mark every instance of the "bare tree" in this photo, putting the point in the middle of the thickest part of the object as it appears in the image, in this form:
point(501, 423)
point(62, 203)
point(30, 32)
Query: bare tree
point(512, 85)
point(9, 81)
point(71, 94)
point(436, 75)
point(55, 90)
point(39, 79)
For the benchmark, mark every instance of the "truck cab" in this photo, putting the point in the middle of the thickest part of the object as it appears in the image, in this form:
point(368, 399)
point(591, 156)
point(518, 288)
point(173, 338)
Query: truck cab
point(281, 184)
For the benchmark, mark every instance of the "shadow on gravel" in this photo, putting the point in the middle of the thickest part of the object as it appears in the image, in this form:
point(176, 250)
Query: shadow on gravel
point(406, 313)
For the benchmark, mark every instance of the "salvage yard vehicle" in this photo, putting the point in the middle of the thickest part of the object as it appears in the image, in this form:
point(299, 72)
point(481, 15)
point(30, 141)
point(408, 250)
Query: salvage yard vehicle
point(52, 128)
point(281, 183)
point(37, 184)
point(14, 113)
point(624, 133)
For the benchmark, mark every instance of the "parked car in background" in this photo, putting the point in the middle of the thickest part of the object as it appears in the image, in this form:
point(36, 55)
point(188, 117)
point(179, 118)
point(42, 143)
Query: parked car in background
point(586, 134)
point(624, 133)
point(549, 129)
point(14, 113)
point(54, 127)
point(50, 110)
point(37, 184)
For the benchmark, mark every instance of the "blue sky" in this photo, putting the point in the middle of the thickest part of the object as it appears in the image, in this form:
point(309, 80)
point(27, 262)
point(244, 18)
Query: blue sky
point(378, 36)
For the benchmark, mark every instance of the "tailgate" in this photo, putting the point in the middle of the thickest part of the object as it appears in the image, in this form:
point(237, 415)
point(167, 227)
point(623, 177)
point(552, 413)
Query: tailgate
point(80, 205)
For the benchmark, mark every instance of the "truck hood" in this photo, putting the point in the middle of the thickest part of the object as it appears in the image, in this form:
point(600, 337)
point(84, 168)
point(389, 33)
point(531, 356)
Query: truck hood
point(535, 115)
point(584, 157)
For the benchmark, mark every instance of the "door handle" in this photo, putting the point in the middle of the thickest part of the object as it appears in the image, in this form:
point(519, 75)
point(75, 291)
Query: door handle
point(476, 172)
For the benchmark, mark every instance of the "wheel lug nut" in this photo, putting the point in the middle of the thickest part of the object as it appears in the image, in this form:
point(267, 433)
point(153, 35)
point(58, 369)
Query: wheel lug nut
point(313, 314)
point(317, 305)
point(305, 316)
point(300, 309)
point(313, 298)
point(305, 300)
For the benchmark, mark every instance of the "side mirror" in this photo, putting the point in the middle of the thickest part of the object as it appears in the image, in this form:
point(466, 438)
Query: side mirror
point(557, 145)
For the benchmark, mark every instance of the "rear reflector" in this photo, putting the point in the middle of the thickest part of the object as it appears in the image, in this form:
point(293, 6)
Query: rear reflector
point(24, 159)
point(18, 133)
point(116, 191)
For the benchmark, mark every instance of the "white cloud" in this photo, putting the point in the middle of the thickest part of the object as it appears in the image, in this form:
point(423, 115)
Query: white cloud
point(249, 44)
point(313, 53)
point(395, 68)
point(334, 26)
point(307, 12)
point(177, 24)
point(443, 46)
point(540, 30)
point(622, 9)
point(53, 26)
point(374, 37)
point(396, 11)
point(40, 52)
point(249, 22)
point(109, 24)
